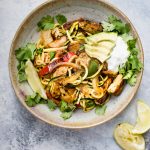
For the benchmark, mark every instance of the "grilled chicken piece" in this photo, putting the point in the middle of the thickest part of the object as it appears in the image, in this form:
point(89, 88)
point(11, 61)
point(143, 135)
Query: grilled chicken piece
point(116, 84)
point(56, 33)
point(68, 95)
point(58, 43)
point(83, 59)
point(69, 24)
point(74, 47)
point(110, 73)
point(46, 37)
point(102, 100)
point(120, 89)
point(105, 66)
point(91, 27)
point(86, 90)
point(107, 83)
point(60, 71)
point(71, 79)
point(56, 101)
point(55, 90)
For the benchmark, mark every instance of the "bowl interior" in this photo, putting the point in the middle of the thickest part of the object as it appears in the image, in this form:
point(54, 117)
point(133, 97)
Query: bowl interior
point(27, 32)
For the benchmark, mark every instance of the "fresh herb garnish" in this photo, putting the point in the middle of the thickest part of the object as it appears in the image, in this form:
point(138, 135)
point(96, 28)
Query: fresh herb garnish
point(66, 115)
point(61, 19)
point(33, 99)
point(21, 72)
point(116, 25)
point(46, 23)
point(133, 66)
point(39, 51)
point(66, 109)
point(100, 110)
point(51, 105)
point(22, 55)
point(25, 53)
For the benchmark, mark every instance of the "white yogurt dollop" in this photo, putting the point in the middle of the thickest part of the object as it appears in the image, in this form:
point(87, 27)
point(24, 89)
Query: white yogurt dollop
point(119, 55)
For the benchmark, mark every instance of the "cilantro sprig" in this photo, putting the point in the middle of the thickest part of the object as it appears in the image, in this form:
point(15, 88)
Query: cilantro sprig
point(35, 98)
point(115, 25)
point(100, 110)
point(133, 66)
point(48, 22)
point(22, 55)
point(66, 109)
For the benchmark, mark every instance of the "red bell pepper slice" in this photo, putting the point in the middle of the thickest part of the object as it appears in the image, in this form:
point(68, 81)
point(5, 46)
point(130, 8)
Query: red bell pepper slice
point(49, 68)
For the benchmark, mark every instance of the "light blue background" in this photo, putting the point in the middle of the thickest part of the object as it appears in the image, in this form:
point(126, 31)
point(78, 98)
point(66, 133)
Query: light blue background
point(19, 130)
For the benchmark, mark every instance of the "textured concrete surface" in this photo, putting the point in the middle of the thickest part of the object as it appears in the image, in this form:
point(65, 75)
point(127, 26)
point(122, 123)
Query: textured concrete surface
point(19, 130)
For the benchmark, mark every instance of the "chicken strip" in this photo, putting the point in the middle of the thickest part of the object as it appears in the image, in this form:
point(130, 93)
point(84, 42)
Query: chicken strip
point(110, 73)
point(83, 59)
point(91, 27)
point(58, 43)
point(116, 84)
point(46, 37)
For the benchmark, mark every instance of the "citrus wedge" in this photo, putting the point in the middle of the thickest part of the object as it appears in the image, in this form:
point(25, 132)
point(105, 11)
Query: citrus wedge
point(33, 79)
point(126, 140)
point(143, 120)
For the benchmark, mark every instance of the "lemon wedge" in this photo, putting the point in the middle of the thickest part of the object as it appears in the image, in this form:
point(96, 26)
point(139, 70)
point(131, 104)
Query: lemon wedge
point(33, 79)
point(126, 140)
point(143, 120)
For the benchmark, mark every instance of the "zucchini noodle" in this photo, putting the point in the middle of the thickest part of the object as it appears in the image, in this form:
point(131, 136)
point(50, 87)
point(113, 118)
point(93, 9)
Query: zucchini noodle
point(69, 37)
point(54, 49)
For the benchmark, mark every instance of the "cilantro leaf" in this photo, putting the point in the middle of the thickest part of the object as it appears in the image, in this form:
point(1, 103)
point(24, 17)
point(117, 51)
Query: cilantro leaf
point(25, 53)
point(107, 27)
point(22, 55)
point(51, 105)
point(128, 74)
point(30, 101)
point(116, 25)
point(46, 23)
point(63, 106)
point(133, 64)
point(66, 109)
point(61, 19)
point(39, 51)
point(22, 76)
point(52, 55)
point(131, 44)
point(34, 99)
point(100, 110)
point(112, 18)
point(126, 37)
point(132, 80)
point(66, 115)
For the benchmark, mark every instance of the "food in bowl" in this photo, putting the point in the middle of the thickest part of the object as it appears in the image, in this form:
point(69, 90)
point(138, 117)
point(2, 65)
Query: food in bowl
point(78, 64)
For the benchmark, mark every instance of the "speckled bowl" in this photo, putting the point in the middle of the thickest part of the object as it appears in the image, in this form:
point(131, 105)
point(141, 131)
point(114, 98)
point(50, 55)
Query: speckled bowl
point(97, 10)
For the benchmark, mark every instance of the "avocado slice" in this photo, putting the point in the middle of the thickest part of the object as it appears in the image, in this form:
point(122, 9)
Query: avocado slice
point(96, 54)
point(107, 44)
point(100, 49)
point(103, 36)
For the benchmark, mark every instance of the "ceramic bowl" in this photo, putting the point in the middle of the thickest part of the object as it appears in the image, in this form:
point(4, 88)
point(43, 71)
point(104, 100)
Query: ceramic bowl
point(96, 10)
